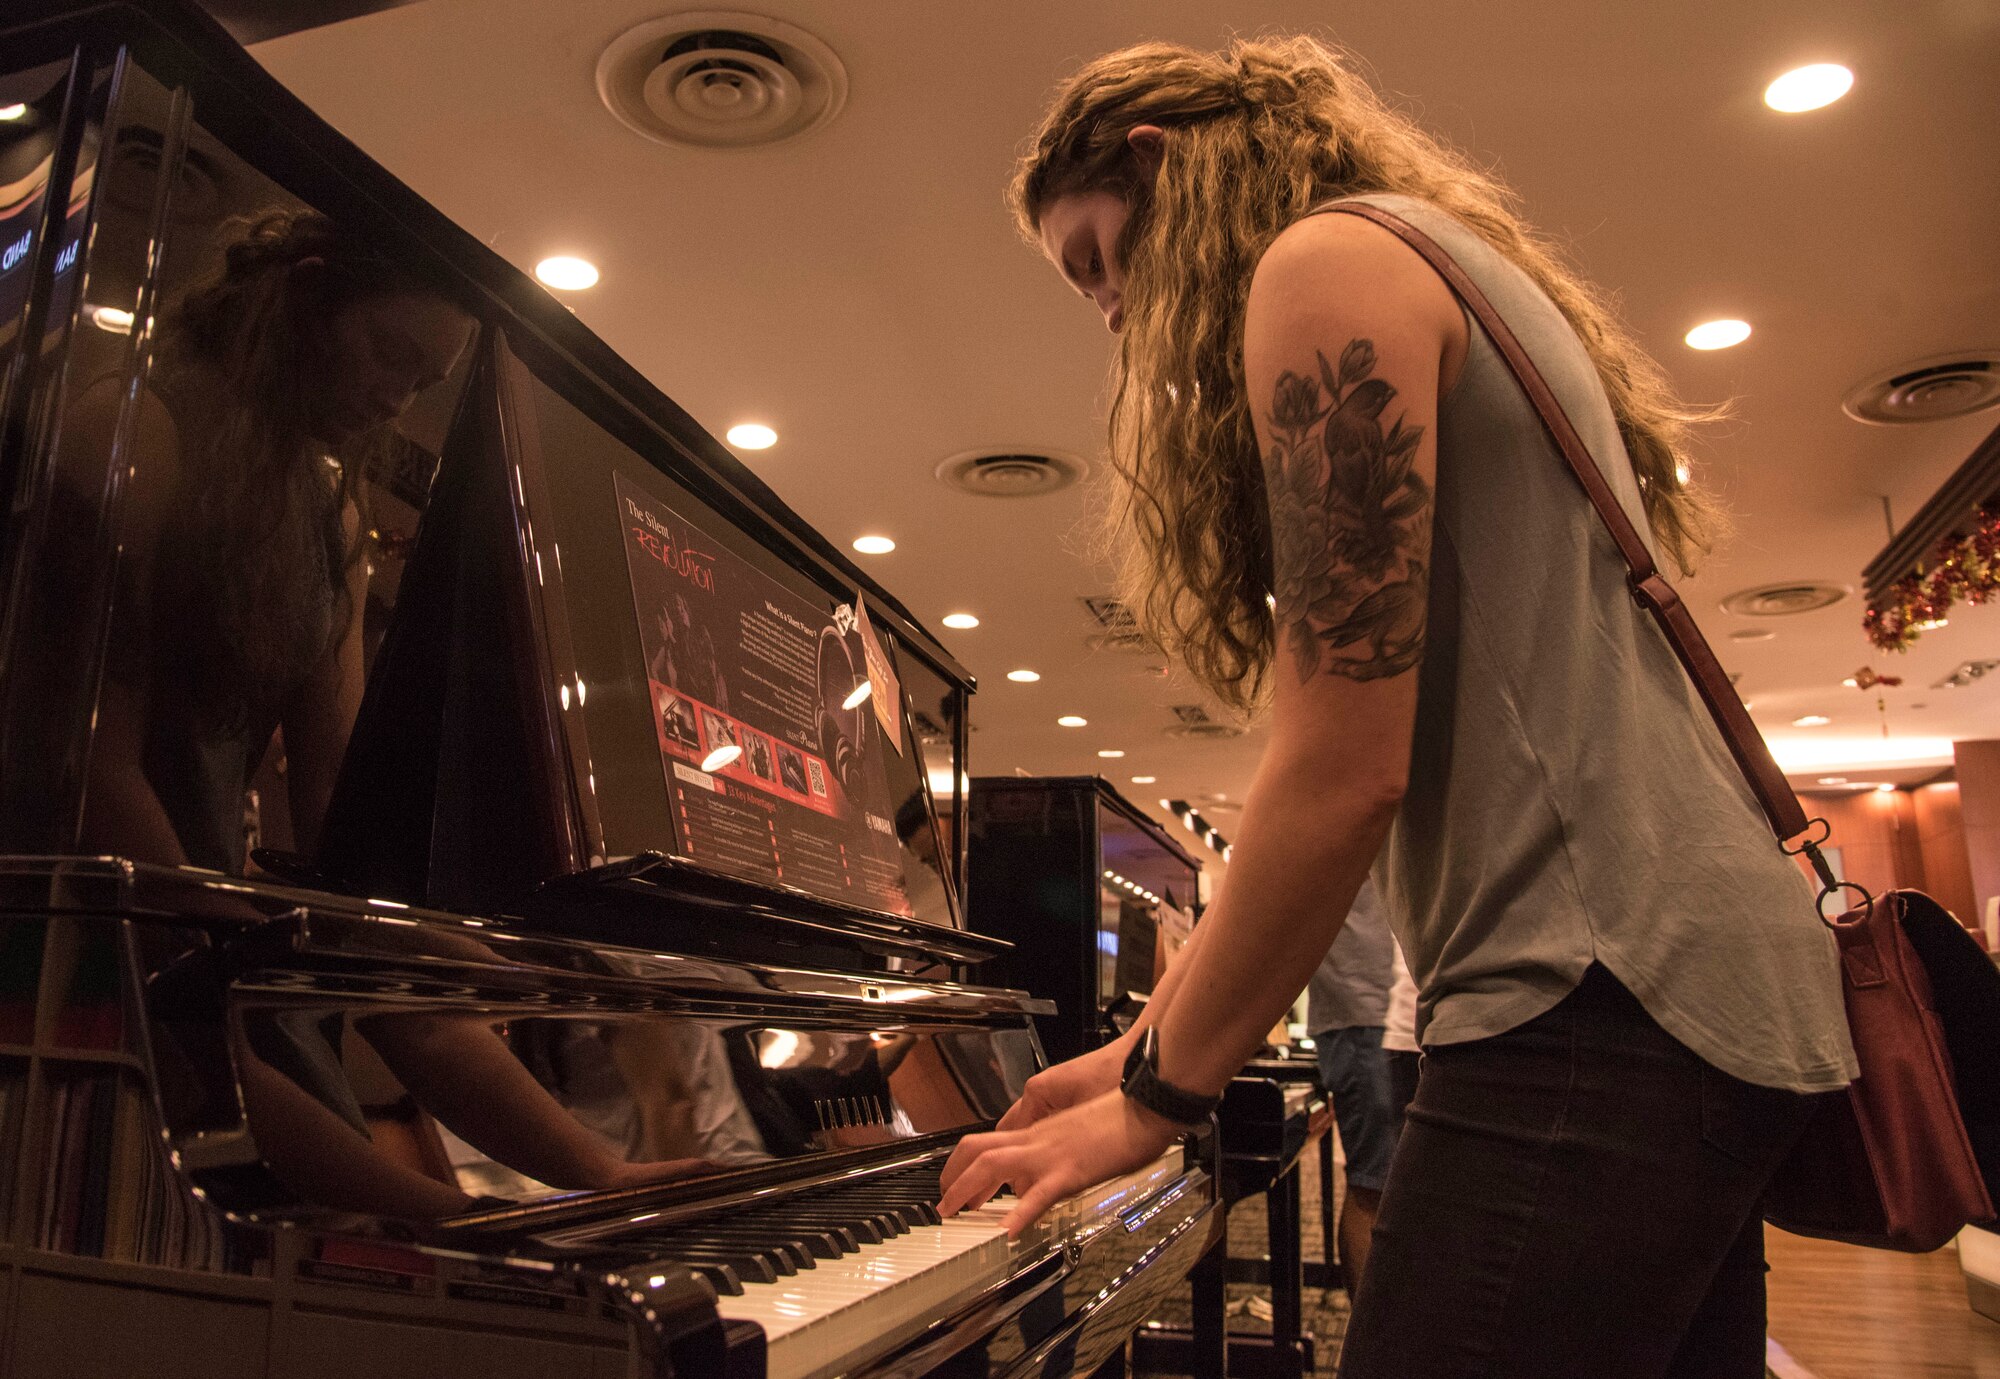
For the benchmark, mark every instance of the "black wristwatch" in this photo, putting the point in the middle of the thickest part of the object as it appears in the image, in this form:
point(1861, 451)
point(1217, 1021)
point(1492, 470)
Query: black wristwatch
point(1143, 1085)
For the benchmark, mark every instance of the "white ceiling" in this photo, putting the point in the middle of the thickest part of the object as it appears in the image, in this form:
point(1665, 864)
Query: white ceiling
point(862, 290)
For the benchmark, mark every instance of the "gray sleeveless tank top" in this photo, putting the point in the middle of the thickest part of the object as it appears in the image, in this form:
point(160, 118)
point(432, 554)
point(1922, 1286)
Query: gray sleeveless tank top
point(1570, 801)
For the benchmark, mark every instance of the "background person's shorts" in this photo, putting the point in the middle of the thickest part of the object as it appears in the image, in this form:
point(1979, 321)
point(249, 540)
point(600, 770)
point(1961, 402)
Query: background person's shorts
point(1355, 1072)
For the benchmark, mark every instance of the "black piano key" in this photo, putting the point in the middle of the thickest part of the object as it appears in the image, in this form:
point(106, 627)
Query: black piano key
point(725, 1279)
point(750, 1266)
point(825, 1244)
point(917, 1209)
point(785, 1246)
point(860, 1227)
point(890, 1222)
point(887, 1222)
point(911, 1214)
point(817, 1242)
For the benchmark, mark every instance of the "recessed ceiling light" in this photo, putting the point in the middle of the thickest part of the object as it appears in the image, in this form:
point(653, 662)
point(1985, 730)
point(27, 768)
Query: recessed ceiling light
point(1930, 624)
point(721, 757)
point(1885, 788)
point(1833, 780)
point(567, 273)
point(874, 545)
point(1809, 88)
point(1144, 780)
point(1110, 753)
point(1851, 683)
point(1821, 752)
point(12, 112)
point(1812, 720)
point(1024, 677)
point(1718, 335)
point(1070, 720)
point(752, 435)
point(964, 622)
point(115, 319)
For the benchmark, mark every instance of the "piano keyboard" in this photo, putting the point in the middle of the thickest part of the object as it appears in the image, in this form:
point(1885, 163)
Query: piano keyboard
point(842, 1272)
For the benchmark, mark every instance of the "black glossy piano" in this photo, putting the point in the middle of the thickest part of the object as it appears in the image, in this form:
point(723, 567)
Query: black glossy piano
point(1091, 894)
point(481, 877)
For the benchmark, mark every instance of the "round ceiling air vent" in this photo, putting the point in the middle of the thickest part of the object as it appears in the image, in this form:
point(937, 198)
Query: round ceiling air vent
point(1211, 731)
point(1934, 389)
point(1784, 600)
point(716, 79)
point(136, 160)
point(1010, 473)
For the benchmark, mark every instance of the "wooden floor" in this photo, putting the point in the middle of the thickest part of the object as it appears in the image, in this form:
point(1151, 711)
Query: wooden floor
point(1847, 1313)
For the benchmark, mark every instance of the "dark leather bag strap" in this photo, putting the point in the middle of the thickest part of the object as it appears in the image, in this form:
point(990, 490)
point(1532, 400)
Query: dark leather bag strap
point(1649, 586)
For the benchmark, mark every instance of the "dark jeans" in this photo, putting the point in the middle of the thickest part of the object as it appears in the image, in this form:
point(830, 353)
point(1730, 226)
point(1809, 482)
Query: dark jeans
point(1574, 1199)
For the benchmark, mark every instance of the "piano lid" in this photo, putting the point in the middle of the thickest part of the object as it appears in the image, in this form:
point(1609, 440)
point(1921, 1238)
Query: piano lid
point(315, 1056)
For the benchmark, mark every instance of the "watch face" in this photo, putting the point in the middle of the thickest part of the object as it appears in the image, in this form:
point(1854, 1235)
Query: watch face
point(1141, 1051)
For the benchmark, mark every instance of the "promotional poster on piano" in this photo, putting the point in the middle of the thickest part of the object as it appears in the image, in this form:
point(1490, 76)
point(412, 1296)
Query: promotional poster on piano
point(773, 714)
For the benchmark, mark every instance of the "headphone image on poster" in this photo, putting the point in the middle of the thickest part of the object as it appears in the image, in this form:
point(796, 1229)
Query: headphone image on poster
point(843, 720)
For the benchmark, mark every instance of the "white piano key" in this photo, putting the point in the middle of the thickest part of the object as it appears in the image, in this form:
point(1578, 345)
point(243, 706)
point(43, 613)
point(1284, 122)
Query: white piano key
point(823, 1320)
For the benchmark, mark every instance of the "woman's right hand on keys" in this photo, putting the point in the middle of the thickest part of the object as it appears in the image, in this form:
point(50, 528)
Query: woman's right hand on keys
point(1069, 1084)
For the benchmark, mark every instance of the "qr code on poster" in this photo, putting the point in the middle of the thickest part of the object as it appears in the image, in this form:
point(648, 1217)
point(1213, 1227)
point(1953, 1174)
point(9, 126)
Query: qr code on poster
point(816, 774)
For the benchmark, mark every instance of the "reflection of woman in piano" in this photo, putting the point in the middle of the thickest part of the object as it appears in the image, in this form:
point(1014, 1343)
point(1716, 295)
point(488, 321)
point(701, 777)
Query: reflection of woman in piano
point(243, 574)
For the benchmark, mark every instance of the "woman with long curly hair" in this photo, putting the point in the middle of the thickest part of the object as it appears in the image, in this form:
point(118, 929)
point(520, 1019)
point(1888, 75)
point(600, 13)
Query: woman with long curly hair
point(1333, 499)
point(242, 576)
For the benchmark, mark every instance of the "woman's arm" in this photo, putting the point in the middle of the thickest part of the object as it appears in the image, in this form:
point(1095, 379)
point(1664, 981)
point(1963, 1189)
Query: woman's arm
point(321, 716)
point(323, 1158)
point(460, 1070)
point(1346, 337)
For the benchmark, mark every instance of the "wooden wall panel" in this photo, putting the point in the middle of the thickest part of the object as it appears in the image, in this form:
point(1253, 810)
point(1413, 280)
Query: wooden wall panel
point(1872, 835)
point(1979, 799)
point(1941, 831)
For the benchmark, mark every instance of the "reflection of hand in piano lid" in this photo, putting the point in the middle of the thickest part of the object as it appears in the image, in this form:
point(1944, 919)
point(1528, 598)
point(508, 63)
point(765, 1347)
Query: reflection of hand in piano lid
point(309, 1126)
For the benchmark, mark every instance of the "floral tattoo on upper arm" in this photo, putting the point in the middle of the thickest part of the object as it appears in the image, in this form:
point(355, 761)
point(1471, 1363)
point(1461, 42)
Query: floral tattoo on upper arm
point(1350, 523)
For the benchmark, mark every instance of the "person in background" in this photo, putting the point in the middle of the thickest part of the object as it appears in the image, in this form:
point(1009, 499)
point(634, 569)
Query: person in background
point(1347, 1003)
point(1331, 497)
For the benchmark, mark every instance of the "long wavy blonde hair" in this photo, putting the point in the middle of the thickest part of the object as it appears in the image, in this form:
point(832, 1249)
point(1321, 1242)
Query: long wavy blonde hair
point(1254, 137)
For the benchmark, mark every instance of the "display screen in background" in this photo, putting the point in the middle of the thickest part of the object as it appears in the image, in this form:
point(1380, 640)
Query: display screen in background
point(1138, 877)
